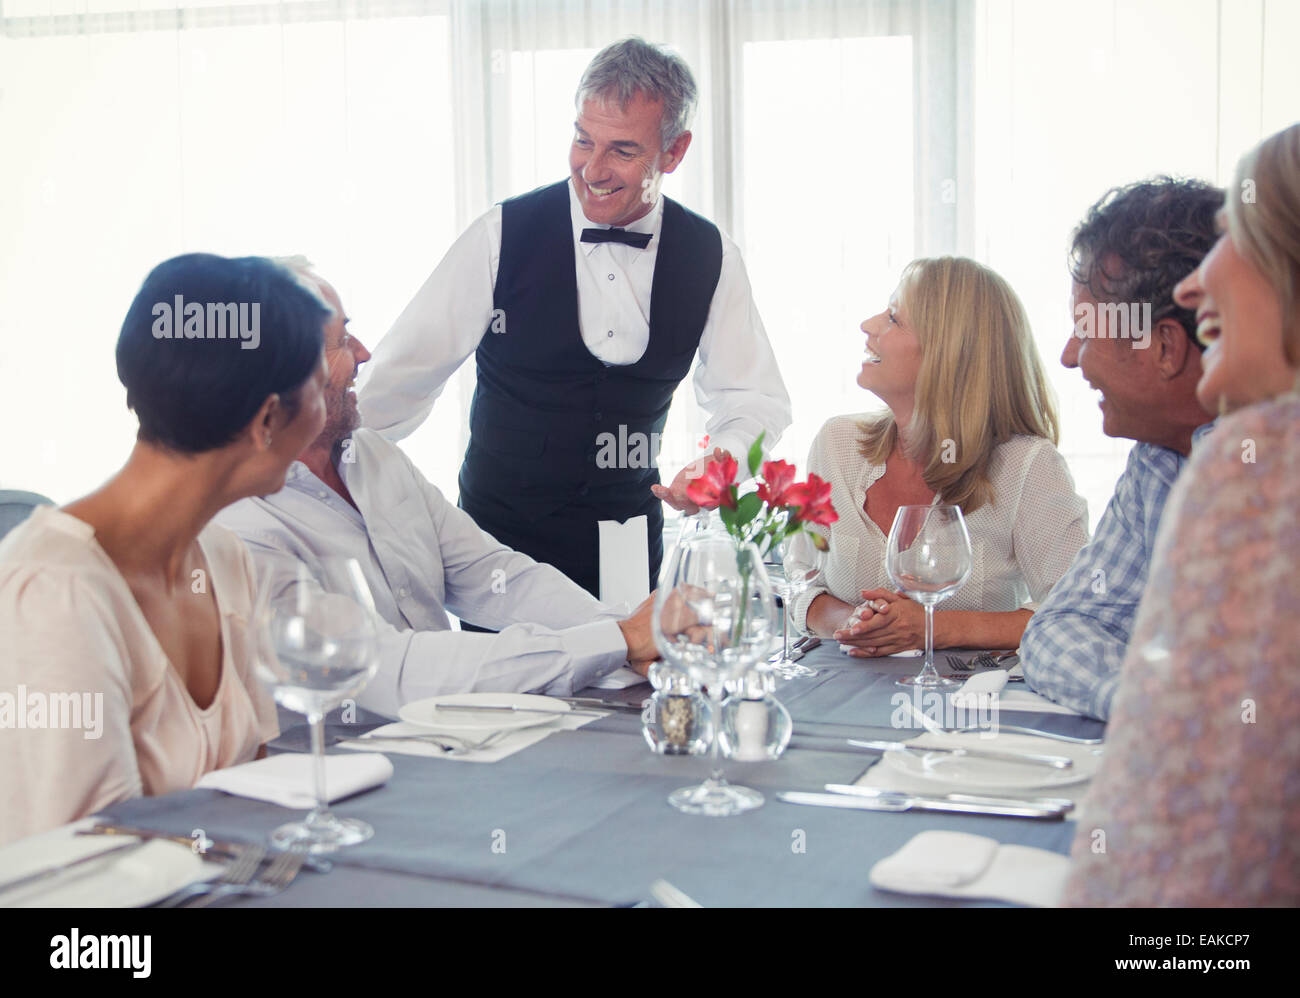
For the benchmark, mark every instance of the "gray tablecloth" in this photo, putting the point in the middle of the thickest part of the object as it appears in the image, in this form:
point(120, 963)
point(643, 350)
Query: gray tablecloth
point(581, 817)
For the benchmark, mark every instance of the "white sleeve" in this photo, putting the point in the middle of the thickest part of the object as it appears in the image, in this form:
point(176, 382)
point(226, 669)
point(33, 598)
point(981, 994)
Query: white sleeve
point(441, 326)
point(820, 464)
point(737, 381)
point(522, 658)
point(1051, 522)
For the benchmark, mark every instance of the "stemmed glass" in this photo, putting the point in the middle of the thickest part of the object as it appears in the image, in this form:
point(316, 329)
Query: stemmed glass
point(317, 649)
point(928, 559)
point(713, 617)
point(800, 565)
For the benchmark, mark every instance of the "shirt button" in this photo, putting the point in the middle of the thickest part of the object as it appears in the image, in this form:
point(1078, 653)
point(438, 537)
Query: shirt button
point(610, 333)
point(402, 593)
point(611, 277)
point(322, 494)
point(598, 416)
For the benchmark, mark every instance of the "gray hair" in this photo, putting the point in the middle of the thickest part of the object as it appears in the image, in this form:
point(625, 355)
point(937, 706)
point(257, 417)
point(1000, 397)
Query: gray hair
point(633, 65)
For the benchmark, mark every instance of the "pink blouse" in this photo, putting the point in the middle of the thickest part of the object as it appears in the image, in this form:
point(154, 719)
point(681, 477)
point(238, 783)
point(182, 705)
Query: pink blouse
point(1197, 802)
point(91, 709)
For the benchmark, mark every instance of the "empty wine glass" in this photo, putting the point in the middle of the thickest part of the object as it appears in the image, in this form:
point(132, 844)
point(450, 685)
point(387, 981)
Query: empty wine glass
point(793, 565)
point(319, 646)
point(713, 617)
point(928, 559)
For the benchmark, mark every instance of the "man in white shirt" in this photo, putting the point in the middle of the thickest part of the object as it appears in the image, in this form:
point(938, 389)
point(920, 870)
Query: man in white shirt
point(356, 495)
point(553, 291)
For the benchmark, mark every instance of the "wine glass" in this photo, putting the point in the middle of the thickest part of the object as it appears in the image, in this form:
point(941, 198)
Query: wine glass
point(713, 617)
point(319, 646)
point(793, 565)
point(928, 559)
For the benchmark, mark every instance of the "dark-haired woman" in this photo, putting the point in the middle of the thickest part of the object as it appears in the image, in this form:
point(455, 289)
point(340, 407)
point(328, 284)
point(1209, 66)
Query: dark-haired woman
point(124, 615)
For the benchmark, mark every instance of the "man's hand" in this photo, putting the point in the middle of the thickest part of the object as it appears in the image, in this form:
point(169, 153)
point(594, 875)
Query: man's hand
point(675, 494)
point(641, 651)
point(887, 622)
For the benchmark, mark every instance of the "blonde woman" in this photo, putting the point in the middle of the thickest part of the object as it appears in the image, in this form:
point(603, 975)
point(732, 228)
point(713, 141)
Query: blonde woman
point(1197, 794)
point(969, 421)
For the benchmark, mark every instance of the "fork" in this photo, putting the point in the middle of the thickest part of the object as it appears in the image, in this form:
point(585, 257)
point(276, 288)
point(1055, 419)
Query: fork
point(240, 872)
point(984, 660)
point(277, 876)
point(1016, 730)
point(441, 740)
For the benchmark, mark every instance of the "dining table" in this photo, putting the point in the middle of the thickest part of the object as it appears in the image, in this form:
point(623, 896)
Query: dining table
point(581, 818)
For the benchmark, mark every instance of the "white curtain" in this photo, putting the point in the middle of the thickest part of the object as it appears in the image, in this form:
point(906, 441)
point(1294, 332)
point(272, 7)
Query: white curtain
point(835, 141)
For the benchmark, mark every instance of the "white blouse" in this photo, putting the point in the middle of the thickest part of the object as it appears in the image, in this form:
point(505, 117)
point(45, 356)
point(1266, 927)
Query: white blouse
point(1022, 541)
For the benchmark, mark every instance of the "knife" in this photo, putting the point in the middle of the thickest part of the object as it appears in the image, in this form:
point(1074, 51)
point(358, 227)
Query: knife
point(600, 704)
point(215, 851)
point(512, 708)
point(1053, 803)
point(1055, 761)
point(906, 802)
point(51, 871)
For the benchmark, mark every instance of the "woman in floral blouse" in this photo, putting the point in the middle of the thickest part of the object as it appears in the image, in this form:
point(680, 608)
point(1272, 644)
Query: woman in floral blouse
point(1198, 800)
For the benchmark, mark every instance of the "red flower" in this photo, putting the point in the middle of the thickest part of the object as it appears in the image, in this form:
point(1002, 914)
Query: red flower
point(777, 479)
point(714, 487)
point(813, 498)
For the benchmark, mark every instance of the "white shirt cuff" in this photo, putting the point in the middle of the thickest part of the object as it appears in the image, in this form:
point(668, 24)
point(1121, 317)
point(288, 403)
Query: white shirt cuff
point(595, 649)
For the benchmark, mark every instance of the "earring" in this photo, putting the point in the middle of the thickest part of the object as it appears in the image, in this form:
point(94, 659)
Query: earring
point(268, 440)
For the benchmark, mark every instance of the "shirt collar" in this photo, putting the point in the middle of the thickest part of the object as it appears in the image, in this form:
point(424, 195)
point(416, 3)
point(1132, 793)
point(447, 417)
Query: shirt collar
point(651, 221)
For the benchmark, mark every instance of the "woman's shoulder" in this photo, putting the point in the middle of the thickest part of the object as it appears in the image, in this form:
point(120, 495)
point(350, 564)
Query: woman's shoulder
point(1264, 433)
point(842, 435)
point(55, 544)
point(64, 608)
point(1248, 459)
point(1015, 456)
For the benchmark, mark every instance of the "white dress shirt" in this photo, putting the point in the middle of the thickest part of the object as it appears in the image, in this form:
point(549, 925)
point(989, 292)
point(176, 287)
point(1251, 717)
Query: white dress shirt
point(736, 381)
point(1022, 542)
point(419, 554)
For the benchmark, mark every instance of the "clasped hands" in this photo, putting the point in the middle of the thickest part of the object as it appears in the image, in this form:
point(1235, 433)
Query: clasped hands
point(884, 622)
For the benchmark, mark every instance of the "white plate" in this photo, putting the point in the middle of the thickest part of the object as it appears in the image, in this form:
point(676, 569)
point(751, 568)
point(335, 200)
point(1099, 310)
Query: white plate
point(425, 713)
point(130, 879)
point(958, 772)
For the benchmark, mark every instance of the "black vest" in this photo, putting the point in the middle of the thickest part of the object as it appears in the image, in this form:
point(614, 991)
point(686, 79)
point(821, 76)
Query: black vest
point(544, 404)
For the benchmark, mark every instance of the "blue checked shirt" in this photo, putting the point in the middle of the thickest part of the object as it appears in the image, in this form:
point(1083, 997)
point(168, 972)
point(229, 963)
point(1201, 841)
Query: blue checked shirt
point(1074, 644)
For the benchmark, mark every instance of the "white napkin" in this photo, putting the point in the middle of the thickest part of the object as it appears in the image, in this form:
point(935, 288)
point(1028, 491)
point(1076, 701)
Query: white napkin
point(128, 879)
point(502, 747)
point(620, 679)
point(956, 864)
point(981, 691)
point(287, 779)
point(624, 560)
point(1023, 699)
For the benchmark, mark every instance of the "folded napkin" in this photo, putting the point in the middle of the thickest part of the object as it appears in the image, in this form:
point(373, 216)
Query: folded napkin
point(959, 865)
point(620, 679)
point(288, 779)
point(499, 749)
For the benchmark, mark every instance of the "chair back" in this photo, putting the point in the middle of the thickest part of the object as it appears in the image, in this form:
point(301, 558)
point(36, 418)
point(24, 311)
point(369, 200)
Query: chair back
point(17, 506)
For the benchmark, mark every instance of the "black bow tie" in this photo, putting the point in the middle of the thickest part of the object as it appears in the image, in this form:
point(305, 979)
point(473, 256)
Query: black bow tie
point(638, 239)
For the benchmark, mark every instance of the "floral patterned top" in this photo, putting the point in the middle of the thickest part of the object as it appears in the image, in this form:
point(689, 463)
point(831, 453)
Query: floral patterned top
point(1197, 802)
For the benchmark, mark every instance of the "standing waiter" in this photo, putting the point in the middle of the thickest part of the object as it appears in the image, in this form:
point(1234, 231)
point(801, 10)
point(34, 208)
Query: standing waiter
point(585, 303)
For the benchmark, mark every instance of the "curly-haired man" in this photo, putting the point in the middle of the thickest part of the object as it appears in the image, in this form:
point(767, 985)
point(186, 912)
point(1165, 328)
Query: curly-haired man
point(1138, 348)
